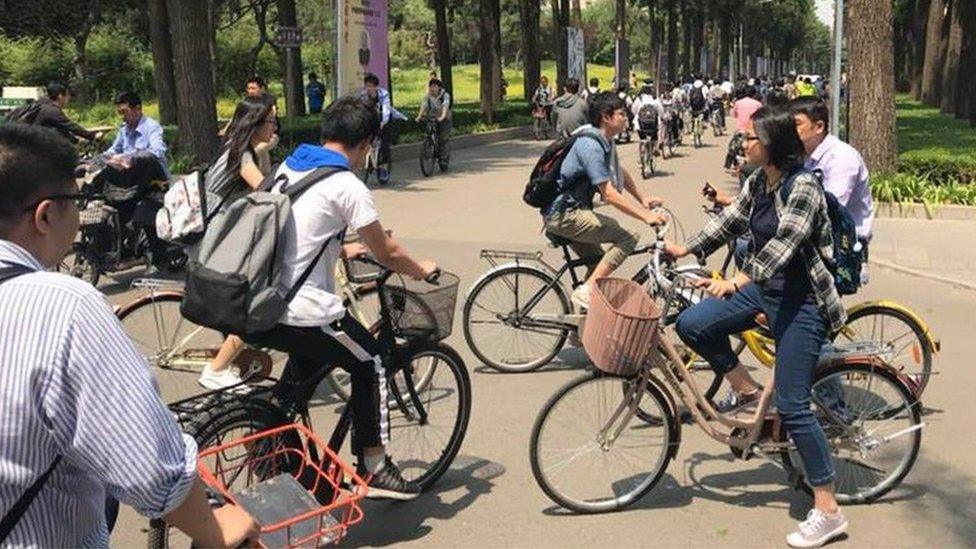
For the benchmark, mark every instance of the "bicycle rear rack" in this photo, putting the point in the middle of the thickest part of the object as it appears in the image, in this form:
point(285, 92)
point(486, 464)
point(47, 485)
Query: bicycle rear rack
point(157, 283)
point(493, 257)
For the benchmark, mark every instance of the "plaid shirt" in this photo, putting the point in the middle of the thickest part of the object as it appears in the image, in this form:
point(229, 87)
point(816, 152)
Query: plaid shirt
point(803, 226)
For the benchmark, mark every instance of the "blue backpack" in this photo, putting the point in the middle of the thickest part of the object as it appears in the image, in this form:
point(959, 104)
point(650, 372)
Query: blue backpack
point(848, 253)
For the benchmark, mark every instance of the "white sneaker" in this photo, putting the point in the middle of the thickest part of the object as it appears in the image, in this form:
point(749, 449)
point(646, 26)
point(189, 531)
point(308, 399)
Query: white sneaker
point(219, 380)
point(581, 296)
point(817, 529)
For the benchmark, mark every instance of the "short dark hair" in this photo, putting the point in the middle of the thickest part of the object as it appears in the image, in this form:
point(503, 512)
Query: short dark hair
point(572, 85)
point(371, 78)
point(604, 104)
point(55, 90)
point(435, 82)
point(594, 81)
point(34, 162)
point(256, 80)
point(129, 98)
point(312, 76)
point(776, 129)
point(813, 108)
point(349, 120)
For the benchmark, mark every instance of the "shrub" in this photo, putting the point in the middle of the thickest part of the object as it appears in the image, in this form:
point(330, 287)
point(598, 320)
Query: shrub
point(907, 187)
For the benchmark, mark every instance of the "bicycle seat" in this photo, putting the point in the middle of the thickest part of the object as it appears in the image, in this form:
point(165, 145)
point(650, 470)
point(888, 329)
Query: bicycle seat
point(556, 241)
point(762, 321)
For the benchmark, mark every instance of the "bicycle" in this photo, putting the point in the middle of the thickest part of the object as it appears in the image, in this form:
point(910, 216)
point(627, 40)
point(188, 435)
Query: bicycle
point(718, 122)
point(697, 119)
point(430, 151)
point(429, 423)
point(541, 125)
point(588, 427)
point(371, 165)
point(647, 145)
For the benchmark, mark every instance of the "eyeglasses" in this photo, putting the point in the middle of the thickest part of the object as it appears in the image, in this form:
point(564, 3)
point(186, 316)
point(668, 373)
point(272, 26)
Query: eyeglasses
point(80, 199)
point(752, 138)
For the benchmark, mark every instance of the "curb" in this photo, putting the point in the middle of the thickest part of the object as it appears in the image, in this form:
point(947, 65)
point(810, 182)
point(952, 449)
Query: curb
point(922, 274)
point(911, 210)
point(409, 151)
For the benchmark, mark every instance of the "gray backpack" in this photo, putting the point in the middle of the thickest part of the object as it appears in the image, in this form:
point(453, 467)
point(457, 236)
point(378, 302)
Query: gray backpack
point(233, 285)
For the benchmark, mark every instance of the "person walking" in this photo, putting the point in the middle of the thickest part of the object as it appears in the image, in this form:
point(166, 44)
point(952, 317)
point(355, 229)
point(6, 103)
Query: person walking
point(315, 91)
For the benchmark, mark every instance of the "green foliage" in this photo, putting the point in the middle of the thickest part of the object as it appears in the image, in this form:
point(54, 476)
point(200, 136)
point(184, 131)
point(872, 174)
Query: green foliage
point(117, 61)
point(933, 145)
point(33, 61)
point(908, 187)
point(234, 47)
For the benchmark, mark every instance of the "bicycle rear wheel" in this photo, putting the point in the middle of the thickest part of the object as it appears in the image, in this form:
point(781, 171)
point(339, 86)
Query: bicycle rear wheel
point(577, 460)
point(427, 157)
point(424, 444)
point(499, 330)
point(872, 422)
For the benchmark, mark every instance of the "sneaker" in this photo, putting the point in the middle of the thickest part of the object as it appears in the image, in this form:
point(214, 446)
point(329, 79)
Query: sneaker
point(817, 529)
point(734, 401)
point(388, 483)
point(383, 175)
point(581, 296)
point(219, 380)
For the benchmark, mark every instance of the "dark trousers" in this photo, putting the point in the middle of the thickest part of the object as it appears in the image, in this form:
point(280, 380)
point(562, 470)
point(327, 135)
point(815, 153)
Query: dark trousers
point(348, 345)
point(387, 137)
point(799, 332)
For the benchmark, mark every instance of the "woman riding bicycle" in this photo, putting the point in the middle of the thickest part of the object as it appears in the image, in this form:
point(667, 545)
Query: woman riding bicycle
point(785, 277)
point(236, 172)
point(542, 99)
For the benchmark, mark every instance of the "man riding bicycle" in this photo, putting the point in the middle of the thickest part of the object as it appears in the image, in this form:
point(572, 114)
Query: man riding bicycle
point(648, 112)
point(316, 330)
point(696, 100)
point(592, 165)
point(379, 98)
point(716, 102)
point(436, 107)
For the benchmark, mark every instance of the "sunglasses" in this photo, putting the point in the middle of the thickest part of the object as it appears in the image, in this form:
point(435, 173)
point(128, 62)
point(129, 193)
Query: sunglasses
point(80, 199)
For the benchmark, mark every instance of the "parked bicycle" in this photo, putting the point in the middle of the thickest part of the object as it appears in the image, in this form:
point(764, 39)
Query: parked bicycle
point(428, 423)
point(605, 439)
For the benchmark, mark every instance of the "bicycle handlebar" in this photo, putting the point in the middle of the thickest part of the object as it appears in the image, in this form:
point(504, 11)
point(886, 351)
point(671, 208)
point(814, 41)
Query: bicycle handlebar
point(385, 272)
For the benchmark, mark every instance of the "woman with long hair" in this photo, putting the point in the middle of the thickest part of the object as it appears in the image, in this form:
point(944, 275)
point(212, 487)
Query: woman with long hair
point(237, 171)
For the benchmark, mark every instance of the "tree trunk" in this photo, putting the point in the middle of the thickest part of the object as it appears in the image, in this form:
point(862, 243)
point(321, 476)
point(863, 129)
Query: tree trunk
point(935, 48)
point(530, 46)
point(871, 83)
point(672, 40)
point(197, 117)
point(698, 39)
point(916, 49)
point(950, 70)
point(444, 45)
point(496, 62)
point(486, 49)
point(162, 52)
point(81, 88)
point(560, 13)
point(686, 35)
point(576, 18)
point(294, 90)
point(965, 107)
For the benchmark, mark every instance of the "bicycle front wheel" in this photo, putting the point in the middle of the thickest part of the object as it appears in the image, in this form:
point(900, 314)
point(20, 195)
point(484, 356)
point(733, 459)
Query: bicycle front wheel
point(429, 424)
point(427, 157)
point(581, 461)
point(506, 335)
point(900, 337)
point(872, 422)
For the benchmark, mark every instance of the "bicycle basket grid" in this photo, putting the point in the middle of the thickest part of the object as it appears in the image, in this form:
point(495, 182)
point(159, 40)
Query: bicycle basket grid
point(621, 326)
point(423, 311)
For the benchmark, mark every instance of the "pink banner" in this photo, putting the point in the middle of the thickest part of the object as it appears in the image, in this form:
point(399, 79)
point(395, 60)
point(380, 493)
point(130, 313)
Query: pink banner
point(363, 44)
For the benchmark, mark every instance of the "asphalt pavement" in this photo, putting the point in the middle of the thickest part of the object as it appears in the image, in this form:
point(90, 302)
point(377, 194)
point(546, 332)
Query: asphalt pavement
point(707, 498)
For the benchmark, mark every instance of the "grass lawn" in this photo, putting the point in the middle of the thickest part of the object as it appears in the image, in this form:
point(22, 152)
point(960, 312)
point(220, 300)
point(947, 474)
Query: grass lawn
point(933, 143)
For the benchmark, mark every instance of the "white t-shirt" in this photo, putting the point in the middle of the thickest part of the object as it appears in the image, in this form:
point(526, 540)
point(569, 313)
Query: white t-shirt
point(339, 202)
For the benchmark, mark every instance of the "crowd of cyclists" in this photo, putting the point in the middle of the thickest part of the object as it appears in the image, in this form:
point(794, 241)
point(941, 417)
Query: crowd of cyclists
point(70, 373)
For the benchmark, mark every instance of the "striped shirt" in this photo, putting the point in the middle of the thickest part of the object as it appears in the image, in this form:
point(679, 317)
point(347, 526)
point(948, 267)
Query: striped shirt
point(804, 228)
point(73, 385)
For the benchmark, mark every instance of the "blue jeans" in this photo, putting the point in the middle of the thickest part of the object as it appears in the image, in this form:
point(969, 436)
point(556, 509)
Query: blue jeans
point(799, 332)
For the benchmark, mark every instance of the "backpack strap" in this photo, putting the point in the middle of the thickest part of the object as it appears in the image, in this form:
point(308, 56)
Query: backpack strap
point(308, 270)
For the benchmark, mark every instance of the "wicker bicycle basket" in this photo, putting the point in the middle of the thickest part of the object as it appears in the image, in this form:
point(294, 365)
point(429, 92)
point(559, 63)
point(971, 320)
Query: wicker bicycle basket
point(621, 326)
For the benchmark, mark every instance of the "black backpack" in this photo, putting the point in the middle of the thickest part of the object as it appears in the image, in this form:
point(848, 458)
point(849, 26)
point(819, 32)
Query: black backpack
point(543, 185)
point(696, 99)
point(647, 118)
point(25, 114)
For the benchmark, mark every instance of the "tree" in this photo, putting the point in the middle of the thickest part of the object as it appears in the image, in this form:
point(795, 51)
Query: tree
point(966, 83)
point(294, 90)
point(496, 61)
point(443, 44)
point(560, 16)
point(197, 116)
point(530, 46)
point(936, 40)
point(871, 82)
point(162, 50)
point(672, 12)
point(950, 69)
point(486, 58)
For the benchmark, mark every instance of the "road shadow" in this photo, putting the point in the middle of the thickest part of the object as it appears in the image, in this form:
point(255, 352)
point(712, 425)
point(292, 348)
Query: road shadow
point(951, 501)
point(388, 523)
point(667, 494)
point(570, 358)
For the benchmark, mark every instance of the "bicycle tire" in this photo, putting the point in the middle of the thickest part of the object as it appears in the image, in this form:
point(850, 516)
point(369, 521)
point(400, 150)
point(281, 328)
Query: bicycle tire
point(911, 405)
point(430, 470)
point(208, 428)
point(616, 501)
point(922, 353)
point(532, 363)
point(81, 263)
point(427, 157)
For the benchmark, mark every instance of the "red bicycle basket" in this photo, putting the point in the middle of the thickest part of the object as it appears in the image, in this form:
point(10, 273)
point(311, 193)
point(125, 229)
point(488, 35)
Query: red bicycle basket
point(621, 326)
point(333, 492)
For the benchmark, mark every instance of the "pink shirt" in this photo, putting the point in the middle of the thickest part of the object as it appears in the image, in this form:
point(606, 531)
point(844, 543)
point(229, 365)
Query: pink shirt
point(743, 110)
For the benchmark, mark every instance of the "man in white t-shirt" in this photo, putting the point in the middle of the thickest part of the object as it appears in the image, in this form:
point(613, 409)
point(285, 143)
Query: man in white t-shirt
point(317, 330)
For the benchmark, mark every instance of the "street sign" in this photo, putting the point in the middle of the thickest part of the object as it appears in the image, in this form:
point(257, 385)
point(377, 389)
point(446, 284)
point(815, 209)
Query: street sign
point(288, 37)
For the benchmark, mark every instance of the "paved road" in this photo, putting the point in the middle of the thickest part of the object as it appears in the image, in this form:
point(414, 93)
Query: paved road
point(489, 498)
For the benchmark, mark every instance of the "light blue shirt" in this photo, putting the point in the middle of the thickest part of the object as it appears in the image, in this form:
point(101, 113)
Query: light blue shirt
point(846, 177)
point(73, 385)
point(146, 138)
point(590, 163)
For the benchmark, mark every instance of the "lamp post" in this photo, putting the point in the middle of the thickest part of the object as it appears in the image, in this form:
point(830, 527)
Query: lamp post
point(835, 68)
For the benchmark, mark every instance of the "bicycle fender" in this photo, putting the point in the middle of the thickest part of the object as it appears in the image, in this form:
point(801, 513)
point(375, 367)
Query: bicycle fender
point(887, 304)
point(529, 264)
